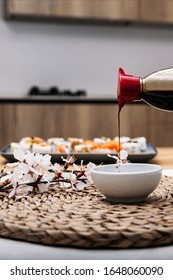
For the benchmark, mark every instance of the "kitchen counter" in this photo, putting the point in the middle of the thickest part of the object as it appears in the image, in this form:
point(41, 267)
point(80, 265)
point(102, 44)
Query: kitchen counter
point(50, 99)
point(164, 157)
point(11, 249)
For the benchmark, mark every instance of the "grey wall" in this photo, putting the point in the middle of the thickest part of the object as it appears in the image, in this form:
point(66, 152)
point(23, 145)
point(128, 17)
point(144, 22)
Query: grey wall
point(75, 56)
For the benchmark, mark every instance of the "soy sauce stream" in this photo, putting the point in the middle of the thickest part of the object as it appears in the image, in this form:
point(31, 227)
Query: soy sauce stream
point(119, 142)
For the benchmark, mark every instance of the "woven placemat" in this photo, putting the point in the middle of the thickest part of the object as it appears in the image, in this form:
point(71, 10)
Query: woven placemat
point(86, 219)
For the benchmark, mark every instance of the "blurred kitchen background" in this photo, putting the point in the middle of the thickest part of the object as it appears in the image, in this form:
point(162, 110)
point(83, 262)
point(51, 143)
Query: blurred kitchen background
point(79, 45)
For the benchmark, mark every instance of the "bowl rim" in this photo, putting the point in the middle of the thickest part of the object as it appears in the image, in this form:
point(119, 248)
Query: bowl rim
point(157, 169)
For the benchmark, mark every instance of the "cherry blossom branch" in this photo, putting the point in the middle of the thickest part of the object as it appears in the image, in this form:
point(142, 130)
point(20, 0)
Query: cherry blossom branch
point(35, 173)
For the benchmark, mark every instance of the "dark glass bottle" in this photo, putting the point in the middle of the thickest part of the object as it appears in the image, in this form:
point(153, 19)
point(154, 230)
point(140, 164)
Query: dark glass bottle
point(156, 89)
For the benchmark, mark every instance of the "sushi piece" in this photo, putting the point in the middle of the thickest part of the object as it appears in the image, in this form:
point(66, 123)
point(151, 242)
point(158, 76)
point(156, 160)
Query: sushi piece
point(55, 140)
point(142, 143)
point(41, 148)
point(131, 147)
point(112, 146)
point(63, 149)
point(32, 140)
point(75, 141)
point(24, 146)
point(83, 148)
point(101, 140)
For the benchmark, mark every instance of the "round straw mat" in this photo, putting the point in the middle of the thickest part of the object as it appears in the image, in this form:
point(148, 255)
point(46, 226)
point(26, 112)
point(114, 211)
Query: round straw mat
point(86, 219)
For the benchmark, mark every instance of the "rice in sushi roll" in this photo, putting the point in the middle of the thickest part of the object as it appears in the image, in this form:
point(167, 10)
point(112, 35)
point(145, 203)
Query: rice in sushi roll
point(142, 143)
point(131, 147)
point(24, 146)
point(41, 148)
point(55, 140)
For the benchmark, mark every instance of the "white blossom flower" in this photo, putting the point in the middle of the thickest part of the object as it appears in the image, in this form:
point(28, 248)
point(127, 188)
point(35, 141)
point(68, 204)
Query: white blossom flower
point(20, 191)
point(123, 154)
point(45, 162)
point(21, 169)
point(47, 176)
point(68, 161)
point(56, 167)
point(69, 176)
point(35, 172)
point(43, 187)
point(121, 158)
point(19, 154)
point(90, 165)
point(5, 180)
point(78, 167)
point(80, 185)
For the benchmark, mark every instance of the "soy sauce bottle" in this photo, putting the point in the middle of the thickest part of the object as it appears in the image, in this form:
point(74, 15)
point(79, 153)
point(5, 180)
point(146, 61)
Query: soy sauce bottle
point(155, 89)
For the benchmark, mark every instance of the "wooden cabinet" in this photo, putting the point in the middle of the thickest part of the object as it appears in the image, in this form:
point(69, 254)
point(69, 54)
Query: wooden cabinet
point(156, 11)
point(73, 9)
point(85, 121)
point(92, 10)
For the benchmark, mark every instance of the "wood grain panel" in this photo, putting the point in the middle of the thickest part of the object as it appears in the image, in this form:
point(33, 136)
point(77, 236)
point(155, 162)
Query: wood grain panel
point(85, 121)
point(17, 7)
point(86, 9)
point(105, 9)
point(140, 10)
point(134, 120)
point(7, 124)
point(66, 120)
point(156, 11)
point(161, 127)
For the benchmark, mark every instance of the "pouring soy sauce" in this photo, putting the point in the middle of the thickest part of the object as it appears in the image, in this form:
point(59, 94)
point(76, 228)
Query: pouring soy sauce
point(156, 89)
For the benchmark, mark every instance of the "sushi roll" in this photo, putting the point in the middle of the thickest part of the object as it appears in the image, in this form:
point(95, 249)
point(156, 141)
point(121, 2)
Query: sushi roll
point(41, 148)
point(142, 143)
point(83, 148)
point(63, 149)
point(101, 140)
point(131, 147)
point(55, 140)
point(75, 141)
point(24, 146)
point(32, 140)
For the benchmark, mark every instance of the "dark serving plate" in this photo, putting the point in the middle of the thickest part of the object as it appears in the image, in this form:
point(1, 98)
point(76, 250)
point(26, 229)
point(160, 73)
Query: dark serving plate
point(145, 156)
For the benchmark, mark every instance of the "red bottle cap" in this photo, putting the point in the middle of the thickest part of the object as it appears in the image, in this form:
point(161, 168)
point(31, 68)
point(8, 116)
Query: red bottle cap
point(128, 88)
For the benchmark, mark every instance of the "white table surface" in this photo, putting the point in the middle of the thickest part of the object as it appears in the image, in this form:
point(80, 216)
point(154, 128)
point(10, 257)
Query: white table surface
point(19, 250)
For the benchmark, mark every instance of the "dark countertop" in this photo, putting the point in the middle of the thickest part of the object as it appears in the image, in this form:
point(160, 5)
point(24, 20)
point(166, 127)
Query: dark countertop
point(56, 100)
point(61, 100)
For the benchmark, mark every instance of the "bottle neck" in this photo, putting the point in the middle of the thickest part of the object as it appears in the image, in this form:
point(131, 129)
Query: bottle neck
point(129, 88)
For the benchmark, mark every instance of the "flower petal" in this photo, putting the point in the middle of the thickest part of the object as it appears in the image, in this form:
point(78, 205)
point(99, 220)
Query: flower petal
point(12, 193)
point(19, 154)
point(13, 164)
point(80, 186)
point(43, 187)
point(123, 154)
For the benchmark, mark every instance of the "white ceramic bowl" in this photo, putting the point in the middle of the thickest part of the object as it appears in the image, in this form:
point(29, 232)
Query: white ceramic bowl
point(128, 184)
